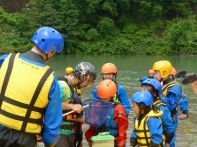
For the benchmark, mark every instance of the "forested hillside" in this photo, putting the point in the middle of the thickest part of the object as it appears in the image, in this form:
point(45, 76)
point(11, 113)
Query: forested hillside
point(153, 27)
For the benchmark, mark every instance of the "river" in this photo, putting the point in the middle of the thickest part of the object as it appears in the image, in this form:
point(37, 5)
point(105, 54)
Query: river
point(130, 68)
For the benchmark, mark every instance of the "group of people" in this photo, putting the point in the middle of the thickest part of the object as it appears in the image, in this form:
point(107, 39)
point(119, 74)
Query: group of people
point(36, 105)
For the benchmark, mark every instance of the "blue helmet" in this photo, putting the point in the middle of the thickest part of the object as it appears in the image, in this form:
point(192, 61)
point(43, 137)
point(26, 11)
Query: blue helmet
point(48, 39)
point(142, 97)
point(153, 82)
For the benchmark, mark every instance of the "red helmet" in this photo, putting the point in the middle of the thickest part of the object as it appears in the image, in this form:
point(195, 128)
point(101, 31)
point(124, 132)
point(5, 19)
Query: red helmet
point(108, 68)
point(106, 89)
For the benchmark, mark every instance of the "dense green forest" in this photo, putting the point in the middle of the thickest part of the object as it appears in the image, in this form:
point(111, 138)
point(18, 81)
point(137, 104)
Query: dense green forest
point(107, 27)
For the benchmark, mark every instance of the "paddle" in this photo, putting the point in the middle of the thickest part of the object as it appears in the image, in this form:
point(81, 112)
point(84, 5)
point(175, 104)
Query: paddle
point(189, 78)
point(70, 112)
point(181, 74)
point(87, 105)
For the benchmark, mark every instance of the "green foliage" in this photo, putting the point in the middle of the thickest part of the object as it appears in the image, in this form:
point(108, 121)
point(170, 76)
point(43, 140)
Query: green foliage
point(92, 35)
point(106, 26)
point(110, 8)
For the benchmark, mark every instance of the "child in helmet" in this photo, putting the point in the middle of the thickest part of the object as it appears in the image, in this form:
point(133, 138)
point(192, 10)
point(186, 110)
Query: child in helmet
point(109, 71)
point(150, 75)
point(147, 125)
point(117, 121)
point(171, 89)
point(168, 125)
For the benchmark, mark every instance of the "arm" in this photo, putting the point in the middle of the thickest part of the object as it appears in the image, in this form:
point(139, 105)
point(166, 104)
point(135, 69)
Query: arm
point(53, 115)
point(121, 120)
point(173, 97)
point(94, 94)
point(75, 107)
point(194, 86)
point(168, 124)
point(123, 98)
point(156, 131)
point(183, 105)
point(133, 139)
point(89, 133)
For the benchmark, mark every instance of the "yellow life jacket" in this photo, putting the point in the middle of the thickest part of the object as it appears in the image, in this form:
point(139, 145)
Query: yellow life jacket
point(158, 103)
point(78, 90)
point(116, 100)
point(24, 89)
point(142, 130)
point(168, 85)
point(165, 90)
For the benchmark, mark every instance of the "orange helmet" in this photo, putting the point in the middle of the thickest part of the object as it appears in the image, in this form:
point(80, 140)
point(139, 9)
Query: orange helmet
point(173, 72)
point(106, 89)
point(109, 68)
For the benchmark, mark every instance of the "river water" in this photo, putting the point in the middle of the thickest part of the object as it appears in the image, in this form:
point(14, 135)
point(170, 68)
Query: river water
point(130, 68)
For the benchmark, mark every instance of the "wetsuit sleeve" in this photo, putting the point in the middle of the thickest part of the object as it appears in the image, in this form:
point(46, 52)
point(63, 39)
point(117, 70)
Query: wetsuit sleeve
point(2, 58)
point(53, 115)
point(94, 94)
point(89, 133)
point(156, 130)
point(133, 138)
point(167, 123)
point(184, 105)
point(121, 120)
point(171, 100)
point(123, 98)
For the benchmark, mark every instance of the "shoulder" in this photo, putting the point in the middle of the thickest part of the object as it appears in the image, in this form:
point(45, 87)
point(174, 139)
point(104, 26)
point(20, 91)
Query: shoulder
point(120, 89)
point(153, 121)
point(63, 84)
point(65, 92)
point(119, 109)
point(163, 108)
point(120, 86)
point(176, 89)
point(3, 56)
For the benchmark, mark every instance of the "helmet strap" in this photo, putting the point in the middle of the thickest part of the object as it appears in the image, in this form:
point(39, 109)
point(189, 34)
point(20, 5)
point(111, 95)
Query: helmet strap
point(49, 55)
point(113, 78)
point(115, 75)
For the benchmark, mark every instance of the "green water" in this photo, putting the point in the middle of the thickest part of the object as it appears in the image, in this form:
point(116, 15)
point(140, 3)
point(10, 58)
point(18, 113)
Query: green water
point(130, 68)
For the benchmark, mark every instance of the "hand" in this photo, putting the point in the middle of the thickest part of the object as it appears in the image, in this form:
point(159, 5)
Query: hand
point(194, 86)
point(182, 116)
point(167, 145)
point(77, 108)
point(38, 138)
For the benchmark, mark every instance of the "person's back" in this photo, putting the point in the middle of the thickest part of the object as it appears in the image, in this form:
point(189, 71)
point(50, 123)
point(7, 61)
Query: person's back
point(168, 125)
point(147, 125)
point(30, 92)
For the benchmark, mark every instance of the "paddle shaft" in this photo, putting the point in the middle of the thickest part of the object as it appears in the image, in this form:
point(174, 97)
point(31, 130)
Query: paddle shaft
point(73, 111)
